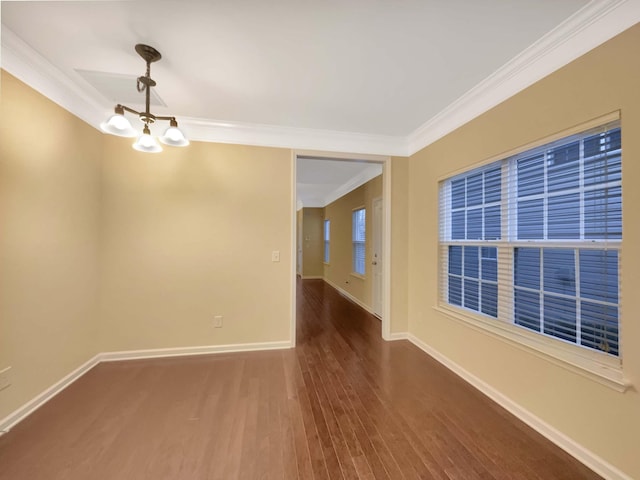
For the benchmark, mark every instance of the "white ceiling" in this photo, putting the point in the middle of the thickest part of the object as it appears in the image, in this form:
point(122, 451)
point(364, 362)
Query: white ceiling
point(371, 76)
point(320, 181)
point(378, 67)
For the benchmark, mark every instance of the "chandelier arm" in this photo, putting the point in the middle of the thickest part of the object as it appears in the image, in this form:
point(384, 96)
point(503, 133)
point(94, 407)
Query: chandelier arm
point(127, 109)
point(158, 117)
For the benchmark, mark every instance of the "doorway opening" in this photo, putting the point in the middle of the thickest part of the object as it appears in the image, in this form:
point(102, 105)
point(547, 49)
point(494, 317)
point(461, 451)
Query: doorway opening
point(327, 211)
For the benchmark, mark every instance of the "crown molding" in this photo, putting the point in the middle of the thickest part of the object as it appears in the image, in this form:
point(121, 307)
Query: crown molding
point(20, 60)
point(316, 201)
point(363, 177)
point(292, 137)
point(591, 26)
point(24, 63)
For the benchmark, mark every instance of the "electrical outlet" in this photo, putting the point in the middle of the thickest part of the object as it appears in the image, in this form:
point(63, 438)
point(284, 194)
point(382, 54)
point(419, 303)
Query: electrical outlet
point(275, 256)
point(217, 321)
point(5, 379)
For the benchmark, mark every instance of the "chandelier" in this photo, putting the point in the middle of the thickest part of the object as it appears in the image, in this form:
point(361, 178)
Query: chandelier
point(119, 125)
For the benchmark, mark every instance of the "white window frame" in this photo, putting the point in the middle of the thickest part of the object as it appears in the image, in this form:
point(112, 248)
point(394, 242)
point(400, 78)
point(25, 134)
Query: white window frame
point(598, 366)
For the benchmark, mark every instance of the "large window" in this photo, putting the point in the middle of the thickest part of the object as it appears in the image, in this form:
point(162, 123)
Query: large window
point(358, 240)
point(327, 236)
point(534, 240)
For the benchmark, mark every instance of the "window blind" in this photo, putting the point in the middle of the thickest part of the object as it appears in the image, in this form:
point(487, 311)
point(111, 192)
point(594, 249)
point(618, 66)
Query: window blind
point(534, 240)
point(358, 240)
point(327, 236)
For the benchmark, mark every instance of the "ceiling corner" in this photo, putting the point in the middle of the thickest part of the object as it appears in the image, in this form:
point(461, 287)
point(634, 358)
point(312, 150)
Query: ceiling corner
point(594, 24)
point(24, 63)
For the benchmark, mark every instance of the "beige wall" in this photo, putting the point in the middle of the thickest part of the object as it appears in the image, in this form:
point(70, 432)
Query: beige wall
point(312, 242)
point(188, 234)
point(602, 420)
point(399, 244)
point(49, 240)
point(339, 269)
point(105, 249)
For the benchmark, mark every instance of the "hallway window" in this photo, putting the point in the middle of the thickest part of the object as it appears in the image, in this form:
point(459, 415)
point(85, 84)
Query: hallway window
point(327, 236)
point(534, 240)
point(358, 240)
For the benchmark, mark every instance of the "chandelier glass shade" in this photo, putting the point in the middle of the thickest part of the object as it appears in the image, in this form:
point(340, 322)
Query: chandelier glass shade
point(146, 142)
point(173, 136)
point(119, 125)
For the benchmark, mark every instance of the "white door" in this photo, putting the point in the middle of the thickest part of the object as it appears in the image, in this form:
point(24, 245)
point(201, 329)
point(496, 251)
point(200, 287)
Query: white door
point(376, 262)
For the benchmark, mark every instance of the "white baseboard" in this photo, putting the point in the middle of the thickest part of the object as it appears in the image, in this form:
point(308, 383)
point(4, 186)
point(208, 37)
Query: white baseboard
point(190, 351)
point(585, 456)
point(398, 336)
point(31, 406)
point(348, 296)
point(21, 413)
point(312, 277)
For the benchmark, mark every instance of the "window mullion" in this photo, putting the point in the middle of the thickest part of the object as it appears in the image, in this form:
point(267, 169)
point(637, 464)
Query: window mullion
point(466, 211)
point(581, 183)
point(444, 273)
point(505, 284)
point(480, 278)
point(578, 302)
point(545, 198)
point(504, 255)
point(541, 294)
point(462, 282)
point(446, 196)
point(482, 210)
point(508, 215)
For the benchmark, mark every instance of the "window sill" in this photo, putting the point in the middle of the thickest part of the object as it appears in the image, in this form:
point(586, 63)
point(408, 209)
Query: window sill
point(592, 365)
point(357, 275)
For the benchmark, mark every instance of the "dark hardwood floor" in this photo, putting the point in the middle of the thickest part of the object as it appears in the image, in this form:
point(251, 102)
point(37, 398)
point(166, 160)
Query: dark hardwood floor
point(342, 404)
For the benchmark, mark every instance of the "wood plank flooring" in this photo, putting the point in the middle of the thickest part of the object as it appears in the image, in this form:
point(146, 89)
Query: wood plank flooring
point(342, 405)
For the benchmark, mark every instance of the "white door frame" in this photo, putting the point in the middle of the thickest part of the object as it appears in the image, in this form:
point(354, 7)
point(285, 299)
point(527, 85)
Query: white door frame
point(298, 247)
point(378, 261)
point(385, 161)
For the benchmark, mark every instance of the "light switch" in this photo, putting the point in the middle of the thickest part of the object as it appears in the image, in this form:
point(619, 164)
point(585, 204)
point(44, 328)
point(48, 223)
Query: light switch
point(275, 256)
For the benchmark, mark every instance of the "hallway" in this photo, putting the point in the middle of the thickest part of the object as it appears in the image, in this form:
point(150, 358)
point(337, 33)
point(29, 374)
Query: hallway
point(342, 404)
point(394, 412)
